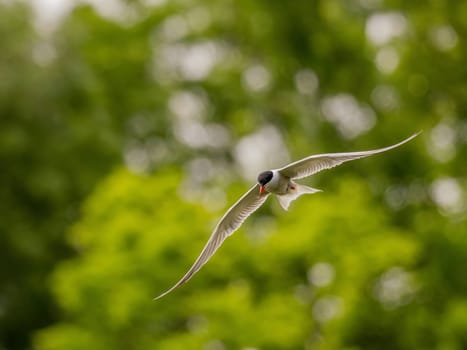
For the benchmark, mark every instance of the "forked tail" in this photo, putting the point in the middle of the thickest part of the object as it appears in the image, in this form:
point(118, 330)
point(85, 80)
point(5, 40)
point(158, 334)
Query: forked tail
point(286, 199)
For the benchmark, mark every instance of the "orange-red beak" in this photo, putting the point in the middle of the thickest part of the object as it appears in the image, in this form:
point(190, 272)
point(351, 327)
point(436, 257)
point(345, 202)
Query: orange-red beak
point(261, 190)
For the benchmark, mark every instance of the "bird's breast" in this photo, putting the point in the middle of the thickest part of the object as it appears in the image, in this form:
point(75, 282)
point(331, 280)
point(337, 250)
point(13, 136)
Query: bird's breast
point(279, 184)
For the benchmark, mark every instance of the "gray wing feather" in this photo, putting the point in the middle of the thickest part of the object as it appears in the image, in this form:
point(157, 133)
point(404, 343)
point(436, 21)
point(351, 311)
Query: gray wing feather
point(314, 164)
point(229, 223)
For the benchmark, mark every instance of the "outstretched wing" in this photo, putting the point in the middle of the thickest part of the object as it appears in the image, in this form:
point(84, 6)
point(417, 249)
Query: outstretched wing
point(314, 164)
point(230, 222)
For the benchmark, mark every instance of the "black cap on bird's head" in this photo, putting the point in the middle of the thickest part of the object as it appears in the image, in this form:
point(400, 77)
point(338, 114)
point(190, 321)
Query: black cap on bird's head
point(263, 179)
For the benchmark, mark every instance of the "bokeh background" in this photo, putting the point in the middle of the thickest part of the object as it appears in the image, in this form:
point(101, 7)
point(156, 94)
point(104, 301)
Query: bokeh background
point(128, 127)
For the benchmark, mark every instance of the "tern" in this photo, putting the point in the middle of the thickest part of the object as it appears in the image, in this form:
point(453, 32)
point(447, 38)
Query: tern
point(279, 182)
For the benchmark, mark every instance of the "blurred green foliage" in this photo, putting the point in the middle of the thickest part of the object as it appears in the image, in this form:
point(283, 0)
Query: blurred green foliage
point(255, 291)
point(125, 134)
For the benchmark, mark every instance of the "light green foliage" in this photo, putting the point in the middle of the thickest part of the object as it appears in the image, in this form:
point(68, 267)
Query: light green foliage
point(137, 237)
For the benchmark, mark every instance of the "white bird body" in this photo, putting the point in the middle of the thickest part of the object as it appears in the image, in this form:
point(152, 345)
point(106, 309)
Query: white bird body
point(285, 189)
point(280, 183)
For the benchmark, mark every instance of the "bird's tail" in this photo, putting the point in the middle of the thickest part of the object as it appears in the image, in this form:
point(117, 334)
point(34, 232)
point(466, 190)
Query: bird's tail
point(286, 199)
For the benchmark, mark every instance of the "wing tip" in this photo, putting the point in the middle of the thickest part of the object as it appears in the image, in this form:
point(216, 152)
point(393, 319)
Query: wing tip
point(411, 137)
point(184, 279)
point(159, 296)
point(166, 292)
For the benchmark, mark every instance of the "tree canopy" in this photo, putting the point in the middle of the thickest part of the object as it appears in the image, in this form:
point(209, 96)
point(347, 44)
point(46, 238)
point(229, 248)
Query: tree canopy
point(127, 129)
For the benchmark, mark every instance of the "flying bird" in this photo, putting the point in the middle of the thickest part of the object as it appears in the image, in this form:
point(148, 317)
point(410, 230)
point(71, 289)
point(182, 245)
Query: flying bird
point(279, 182)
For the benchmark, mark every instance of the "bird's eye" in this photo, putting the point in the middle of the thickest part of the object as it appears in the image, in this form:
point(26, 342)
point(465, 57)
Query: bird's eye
point(265, 177)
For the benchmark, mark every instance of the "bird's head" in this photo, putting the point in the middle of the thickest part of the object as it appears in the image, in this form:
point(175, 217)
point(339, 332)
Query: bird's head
point(263, 179)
